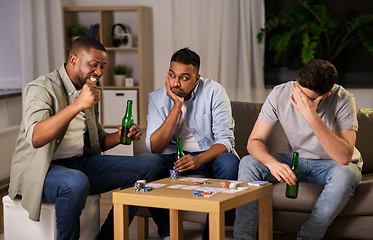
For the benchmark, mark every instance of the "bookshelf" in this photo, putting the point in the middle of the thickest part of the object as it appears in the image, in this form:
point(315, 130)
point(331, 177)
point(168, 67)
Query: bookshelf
point(138, 58)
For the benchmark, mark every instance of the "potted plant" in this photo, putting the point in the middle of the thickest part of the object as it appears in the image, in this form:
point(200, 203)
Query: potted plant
point(120, 75)
point(310, 28)
point(76, 31)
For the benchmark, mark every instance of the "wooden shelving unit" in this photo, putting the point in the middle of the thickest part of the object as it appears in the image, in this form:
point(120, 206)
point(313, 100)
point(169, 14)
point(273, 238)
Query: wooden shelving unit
point(138, 58)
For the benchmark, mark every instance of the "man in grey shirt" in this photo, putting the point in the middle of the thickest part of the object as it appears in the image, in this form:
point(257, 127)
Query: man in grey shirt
point(319, 119)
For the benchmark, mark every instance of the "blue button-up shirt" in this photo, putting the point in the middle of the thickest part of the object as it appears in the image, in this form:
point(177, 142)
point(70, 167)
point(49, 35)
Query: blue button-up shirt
point(209, 116)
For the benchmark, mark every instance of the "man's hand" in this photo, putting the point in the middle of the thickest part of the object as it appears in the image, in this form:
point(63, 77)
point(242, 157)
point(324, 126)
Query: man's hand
point(303, 103)
point(171, 94)
point(282, 172)
point(134, 133)
point(187, 162)
point(89, 95)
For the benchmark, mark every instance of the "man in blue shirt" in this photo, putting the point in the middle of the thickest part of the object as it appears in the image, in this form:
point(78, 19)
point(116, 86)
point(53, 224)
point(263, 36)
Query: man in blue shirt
point(198, 111)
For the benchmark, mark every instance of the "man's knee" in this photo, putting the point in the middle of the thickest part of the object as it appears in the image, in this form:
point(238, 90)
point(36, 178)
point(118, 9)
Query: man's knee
point(75, 183)
point(249, 169)
point(347, 175)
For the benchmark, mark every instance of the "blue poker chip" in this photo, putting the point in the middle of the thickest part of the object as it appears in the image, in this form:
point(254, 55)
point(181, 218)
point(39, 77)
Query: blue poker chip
point(196, 194)
point(173, 174)
point(144, 190)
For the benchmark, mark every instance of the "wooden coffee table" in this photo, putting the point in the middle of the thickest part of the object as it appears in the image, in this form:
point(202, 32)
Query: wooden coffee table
point(178, 200)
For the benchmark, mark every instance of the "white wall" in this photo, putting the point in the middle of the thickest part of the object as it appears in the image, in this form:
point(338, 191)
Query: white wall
point(10, 112)
point(363, 97)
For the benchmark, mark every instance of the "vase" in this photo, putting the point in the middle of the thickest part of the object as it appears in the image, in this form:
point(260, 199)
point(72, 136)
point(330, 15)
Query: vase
point(119, 80)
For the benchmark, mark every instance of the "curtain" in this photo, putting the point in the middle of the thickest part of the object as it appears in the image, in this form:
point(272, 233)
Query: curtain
point(41, 38)
point(224, 33)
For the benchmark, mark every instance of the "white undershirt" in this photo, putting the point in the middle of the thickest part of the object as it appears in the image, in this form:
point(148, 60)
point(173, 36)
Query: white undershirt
point(73, 142)
point(188, 142)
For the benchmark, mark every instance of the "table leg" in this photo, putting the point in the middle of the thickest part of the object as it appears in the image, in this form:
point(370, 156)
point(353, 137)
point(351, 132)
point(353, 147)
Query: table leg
point(265, 218)
point(217, 226)
point(176, 224)
point(121, 222)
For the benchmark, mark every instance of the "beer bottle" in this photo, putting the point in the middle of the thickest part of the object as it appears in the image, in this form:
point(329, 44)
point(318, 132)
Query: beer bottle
point(180, 154)
point(292, 191)
point(127, 123)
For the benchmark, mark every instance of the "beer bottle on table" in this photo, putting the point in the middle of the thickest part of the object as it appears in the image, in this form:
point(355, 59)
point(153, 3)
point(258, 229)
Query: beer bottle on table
point(127, 123)
point(180, 154)
point(292, 191)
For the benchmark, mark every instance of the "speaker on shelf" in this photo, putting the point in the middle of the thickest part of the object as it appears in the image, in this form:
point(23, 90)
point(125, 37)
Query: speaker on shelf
point(121, 37)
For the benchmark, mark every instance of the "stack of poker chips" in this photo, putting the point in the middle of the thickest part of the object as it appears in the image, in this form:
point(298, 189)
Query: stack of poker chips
point(173, 174)
point(233, 185)
point(139, 185)
point(225, 183)
point(197, 193)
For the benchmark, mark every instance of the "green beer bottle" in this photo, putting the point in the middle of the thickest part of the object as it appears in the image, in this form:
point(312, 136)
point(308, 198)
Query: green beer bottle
point(127, 123)
point(180, 154)
point(292, 191)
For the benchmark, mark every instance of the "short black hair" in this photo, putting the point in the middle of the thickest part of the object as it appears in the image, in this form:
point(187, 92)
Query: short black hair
point(318, 75)
point(186, 56)
point(85, 43)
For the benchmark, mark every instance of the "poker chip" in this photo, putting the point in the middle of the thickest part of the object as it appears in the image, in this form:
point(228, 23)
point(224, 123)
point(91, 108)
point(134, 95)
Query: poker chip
point(225, 184)
point(149, 188)
point(197, 183)
point(206, 193)
point(233, 185)
point(196, 194)
point(206, 182)
point(144, 190)
point(138, 185)
point(173, 174)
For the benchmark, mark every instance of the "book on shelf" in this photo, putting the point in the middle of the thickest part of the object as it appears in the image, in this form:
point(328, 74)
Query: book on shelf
point(95, 31)
point(97, 36)
point(90, 33)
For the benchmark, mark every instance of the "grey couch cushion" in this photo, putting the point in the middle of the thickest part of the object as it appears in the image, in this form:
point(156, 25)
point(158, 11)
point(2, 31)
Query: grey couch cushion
point(245, 115)
point(364, 138)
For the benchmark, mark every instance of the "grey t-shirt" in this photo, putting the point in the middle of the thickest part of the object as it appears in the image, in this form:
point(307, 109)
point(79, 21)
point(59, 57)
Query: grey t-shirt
point(337, 111)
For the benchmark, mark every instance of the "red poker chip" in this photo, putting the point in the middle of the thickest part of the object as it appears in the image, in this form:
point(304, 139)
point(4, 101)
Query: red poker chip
point(225, 184)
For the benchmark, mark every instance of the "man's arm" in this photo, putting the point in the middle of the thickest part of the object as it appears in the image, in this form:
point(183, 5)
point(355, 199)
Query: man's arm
point(257, 148)
point(49, 129)
point(194, 162)
point(338, 145)
point(161, 137)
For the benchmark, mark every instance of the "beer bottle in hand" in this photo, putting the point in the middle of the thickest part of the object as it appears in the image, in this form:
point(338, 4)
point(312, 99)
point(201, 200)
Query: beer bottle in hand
point(292, 191)
point(180, 154)
point(127, 123)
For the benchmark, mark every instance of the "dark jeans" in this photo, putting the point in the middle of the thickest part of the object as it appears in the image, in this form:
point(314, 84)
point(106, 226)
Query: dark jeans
point(69, 181)
point(225, 166)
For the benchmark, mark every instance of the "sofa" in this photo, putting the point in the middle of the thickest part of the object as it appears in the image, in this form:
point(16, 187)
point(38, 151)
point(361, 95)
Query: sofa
point(354, 222)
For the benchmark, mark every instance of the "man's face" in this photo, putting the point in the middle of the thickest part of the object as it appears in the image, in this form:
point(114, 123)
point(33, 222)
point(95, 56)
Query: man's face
point(89, 66)
point(182, 79)
point(311, 94)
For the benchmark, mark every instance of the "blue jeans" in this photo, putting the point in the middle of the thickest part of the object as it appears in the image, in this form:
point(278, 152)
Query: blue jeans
point(225, 166)
point(339, 183)
point(69, 181)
